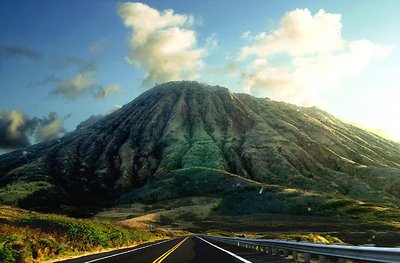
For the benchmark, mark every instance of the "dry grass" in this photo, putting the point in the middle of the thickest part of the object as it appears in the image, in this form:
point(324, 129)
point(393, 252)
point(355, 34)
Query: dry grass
point(9, 212)
point(174, 211)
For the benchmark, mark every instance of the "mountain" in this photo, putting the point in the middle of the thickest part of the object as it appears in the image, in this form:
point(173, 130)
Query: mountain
point(190, 138)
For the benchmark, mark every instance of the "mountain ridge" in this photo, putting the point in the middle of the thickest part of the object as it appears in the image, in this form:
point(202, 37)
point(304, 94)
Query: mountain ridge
point(187, 124)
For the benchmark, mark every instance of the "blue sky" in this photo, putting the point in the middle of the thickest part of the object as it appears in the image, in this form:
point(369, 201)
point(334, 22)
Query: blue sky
point(63, 61)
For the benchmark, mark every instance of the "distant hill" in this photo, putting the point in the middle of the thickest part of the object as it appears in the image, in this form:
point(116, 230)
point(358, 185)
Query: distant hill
point(263, 147)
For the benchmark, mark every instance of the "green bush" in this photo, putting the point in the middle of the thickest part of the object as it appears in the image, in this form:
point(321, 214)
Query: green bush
point(252, 202)
point(75, 230)
point(189, 217)
point(33, 238)
point(165, 220)
point(14, 193)
point(7, 253)
point(336, 204)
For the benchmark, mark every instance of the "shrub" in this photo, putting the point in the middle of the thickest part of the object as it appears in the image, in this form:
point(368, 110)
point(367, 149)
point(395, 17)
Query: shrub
point(189, 216)
point(165, 220)
point(38, 237)
point(7, 253)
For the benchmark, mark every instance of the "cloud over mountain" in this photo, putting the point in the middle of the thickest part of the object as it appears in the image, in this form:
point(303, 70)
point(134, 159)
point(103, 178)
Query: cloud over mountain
point(103, 92)
point(50, 127)
point(82, 82)
point(299, 33)
point(312, 56)
point(86, 123)
point(16, 128)
point(161, 43)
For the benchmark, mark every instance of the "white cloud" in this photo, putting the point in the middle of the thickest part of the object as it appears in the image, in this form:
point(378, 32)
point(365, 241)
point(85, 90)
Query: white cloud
point(50, 127)
point(380, 112)
point(84, 81)
point(161, 43)
point(211, 42)
point(16, 128)
point(71, 88)
point(246, 35)
point(317, 58)
point(299, 33)
point(106, 91)
point(17, 120)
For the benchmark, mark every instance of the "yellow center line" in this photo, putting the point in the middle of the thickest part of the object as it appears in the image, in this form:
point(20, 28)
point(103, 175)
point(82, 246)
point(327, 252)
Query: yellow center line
point(166, 254)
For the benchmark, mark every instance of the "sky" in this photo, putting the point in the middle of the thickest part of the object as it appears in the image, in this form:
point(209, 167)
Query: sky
point(64, 62)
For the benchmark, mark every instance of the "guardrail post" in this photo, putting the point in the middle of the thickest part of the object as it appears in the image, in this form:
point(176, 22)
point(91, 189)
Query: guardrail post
point(342, 260)
point(307, 257)
point(294, 253)
point(270, 250)
point(322, 259)
point(285, 253)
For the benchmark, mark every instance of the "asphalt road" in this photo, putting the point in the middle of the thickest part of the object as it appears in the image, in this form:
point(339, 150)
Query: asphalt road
point(184, 249)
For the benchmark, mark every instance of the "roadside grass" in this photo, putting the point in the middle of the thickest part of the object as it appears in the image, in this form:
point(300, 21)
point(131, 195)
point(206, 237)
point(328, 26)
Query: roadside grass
point(325, 238)
point(37, 237)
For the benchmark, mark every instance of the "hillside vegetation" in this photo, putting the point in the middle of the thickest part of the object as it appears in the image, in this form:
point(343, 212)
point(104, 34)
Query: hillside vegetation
point(239, 196)
point(240, 161)
point(32, 237)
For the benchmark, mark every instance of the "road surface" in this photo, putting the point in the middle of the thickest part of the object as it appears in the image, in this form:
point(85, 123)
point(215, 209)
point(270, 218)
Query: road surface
point(191, 249)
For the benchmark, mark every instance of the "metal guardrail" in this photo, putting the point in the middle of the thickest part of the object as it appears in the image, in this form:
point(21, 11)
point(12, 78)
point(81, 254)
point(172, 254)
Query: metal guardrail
point(341, 252)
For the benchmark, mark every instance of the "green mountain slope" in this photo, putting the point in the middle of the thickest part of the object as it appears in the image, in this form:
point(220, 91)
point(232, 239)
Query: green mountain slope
point(176, 126)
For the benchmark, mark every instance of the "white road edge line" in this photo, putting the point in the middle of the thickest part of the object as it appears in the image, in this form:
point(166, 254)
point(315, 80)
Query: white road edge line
point(129, 251)
point(226, 251)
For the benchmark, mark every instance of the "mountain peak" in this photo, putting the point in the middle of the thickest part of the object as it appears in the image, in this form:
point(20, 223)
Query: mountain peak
point(182, 84)
point(186, 86)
